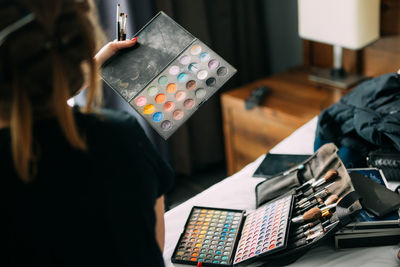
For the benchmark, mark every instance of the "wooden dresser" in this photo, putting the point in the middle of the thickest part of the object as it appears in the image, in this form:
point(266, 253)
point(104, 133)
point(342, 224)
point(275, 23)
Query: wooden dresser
point(293, 100)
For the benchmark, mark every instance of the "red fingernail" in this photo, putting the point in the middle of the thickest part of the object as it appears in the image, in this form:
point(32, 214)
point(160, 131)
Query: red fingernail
point(134, 39)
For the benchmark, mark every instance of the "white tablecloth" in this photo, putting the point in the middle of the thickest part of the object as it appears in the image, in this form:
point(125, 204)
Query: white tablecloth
point(237, 192)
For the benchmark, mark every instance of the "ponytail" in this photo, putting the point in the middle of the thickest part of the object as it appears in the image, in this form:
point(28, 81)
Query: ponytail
point(21, 134)
point(61, 94)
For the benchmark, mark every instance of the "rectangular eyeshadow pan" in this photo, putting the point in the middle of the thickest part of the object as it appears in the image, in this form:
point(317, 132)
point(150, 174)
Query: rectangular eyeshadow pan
point(248, 237)
point(167, 75)
point(209, 237)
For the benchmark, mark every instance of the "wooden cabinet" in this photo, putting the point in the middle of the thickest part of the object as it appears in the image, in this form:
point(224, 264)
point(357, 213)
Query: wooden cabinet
point(293, 100)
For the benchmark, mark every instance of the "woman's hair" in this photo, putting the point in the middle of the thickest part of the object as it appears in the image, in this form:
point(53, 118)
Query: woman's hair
point(44, 63)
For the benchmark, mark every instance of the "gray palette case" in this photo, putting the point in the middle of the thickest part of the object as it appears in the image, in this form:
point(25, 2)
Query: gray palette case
point(167, 75)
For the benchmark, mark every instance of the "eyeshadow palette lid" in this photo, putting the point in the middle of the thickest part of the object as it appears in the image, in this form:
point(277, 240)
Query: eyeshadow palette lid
point(167, 75)
point(159, 42)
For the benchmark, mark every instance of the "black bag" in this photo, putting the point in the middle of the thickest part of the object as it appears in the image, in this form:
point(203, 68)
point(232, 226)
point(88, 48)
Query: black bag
point(387, 161)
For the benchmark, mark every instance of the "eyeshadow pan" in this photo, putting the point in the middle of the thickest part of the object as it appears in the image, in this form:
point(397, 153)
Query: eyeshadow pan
point(185, 60)
point(152, 91)
point(178, 114)
point(213, 64)
point(182, 77)
point(149, 109)
point(222, 71)
point(163, 80)
point(193, 67)
point(211, 81)
point(180, 95)
point(190, 85)
point(195, 50)
point(157, 117)
point(204, 56)
point(169, 106)
point(201, 75)
point(171, 88)
point(160, 98)
point(174, 70)
point(141, 101)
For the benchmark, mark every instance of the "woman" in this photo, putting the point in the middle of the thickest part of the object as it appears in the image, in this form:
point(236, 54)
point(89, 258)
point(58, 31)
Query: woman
point(77, 188)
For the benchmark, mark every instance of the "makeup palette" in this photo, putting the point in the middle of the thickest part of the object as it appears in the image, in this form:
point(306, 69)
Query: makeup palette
point(227, 237)
point(167, 75)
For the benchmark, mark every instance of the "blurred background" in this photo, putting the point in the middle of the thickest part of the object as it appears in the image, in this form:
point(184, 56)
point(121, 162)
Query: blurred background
point(260, 39)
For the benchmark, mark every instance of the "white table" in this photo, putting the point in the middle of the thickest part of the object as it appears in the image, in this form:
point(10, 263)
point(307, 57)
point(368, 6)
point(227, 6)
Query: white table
point(238, 192)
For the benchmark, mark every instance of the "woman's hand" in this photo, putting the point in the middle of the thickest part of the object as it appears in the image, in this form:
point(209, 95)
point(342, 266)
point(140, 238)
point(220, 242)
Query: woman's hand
point(111, 48)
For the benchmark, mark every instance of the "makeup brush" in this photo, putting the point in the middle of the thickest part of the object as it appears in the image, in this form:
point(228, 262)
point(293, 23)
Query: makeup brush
point(329, 176)
point(311, 225)
point(305, 227)
point(118, 25)
point(310, 202)
point(306, 185)
point(308, 205)
point(125, 27)
point(315, 235)
point(305, 241)
point(311, 231)
point(121, 21)
point(330, 200)
point(312, 214)
point(298, 167)
point(313, 183)
point(305, 193)
point(320, 194)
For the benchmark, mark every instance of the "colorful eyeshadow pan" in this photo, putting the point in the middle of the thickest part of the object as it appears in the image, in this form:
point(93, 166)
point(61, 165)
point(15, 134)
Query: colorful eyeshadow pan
point(174, 70)
point(236, 238)
point(166, 79)
point(190, 85)
point(204, 56)
point(169, 106)
point(171, 88)
point(141, 101)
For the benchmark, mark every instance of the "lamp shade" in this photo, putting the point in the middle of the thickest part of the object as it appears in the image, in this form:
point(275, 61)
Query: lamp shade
point(350, 24)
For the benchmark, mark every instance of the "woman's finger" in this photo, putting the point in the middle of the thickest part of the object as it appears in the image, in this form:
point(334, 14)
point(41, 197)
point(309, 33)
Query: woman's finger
point(117, 45)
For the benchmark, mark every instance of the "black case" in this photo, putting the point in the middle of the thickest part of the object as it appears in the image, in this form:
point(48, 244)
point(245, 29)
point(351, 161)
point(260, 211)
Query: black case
point(315, 166)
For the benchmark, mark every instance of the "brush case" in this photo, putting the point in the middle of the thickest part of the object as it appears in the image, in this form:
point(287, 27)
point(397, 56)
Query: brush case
point(309, 184)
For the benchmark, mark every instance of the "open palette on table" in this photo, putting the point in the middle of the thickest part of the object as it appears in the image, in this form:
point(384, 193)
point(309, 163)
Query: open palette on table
point(228, 237)
point(167, 75)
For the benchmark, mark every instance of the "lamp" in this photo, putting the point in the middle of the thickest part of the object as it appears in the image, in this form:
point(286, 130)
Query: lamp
point(351, 24)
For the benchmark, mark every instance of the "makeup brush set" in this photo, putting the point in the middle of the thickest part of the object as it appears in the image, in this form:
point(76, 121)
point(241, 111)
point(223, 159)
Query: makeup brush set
point(295, 211)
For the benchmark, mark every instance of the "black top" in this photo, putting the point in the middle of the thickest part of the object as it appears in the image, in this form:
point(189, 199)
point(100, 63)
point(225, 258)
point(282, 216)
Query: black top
point(92, 208)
